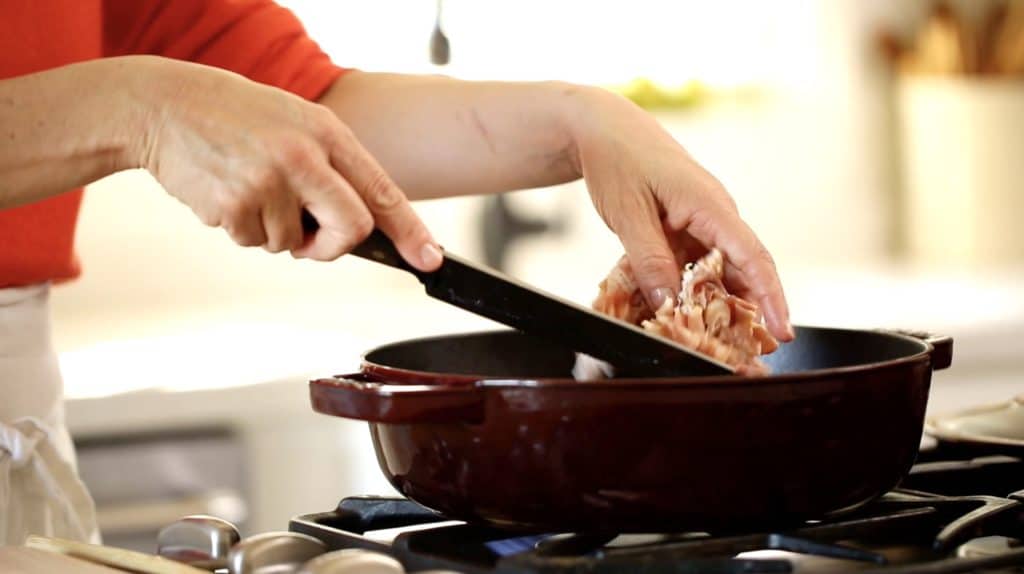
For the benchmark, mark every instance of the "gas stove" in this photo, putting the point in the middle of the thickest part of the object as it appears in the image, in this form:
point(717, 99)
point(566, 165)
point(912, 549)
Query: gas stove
point(957, 511)
point(951, 514)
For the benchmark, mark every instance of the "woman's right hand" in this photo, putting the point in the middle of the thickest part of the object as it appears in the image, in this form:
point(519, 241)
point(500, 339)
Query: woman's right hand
point(249, 158)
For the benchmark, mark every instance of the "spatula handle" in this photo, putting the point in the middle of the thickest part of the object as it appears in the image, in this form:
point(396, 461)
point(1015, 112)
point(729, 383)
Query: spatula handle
point(376, 247)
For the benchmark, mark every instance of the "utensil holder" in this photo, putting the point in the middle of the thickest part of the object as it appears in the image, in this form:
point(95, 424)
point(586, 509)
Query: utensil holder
point(962, 147)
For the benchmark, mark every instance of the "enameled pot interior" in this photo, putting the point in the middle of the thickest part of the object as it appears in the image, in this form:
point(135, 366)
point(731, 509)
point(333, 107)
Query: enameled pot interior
point(511, 354)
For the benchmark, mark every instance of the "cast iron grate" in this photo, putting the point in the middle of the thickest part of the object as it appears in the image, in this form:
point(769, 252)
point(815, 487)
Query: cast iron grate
point(944, 519)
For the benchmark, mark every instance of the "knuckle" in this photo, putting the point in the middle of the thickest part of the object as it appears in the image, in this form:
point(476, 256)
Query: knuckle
point(342, 241)
point(233, 207)
point(287, 241)
point(381, 194)
point(715, 186)
point(208, 218)
point(244, 238)
point(320, 115)
point(715, 190)
point(327, 125)
point(626, 211)
point(701, 223)
point(292, 241)
point(283, 227)
point(343, 144)
point(361, 227)
point(274, 246)
point(762, 253)
point(648, 264)
point(331, 138)
point(294, 153)
point(263, 179)
point(729, 202)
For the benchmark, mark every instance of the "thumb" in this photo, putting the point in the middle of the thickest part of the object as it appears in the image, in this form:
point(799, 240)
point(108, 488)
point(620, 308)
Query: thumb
point(388, 204)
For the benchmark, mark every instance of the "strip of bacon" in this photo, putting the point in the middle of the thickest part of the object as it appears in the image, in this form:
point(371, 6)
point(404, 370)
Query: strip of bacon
point(706, 317)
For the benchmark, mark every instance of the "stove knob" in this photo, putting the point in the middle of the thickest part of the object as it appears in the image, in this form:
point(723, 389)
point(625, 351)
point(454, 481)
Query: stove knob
point(353, 561)
point(199, 541)
point(273, 553)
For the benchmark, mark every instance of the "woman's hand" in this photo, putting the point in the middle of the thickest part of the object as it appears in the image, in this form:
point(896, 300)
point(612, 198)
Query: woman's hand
point(667, 209)
point(249, 158)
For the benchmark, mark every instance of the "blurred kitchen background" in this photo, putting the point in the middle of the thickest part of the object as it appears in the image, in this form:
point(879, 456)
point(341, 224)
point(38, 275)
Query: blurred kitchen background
point(861, 140)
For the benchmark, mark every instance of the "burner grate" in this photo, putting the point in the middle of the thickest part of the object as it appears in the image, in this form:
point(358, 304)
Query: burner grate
point(907, 531)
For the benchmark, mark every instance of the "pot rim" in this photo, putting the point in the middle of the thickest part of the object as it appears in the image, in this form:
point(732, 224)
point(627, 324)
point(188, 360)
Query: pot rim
point(384, 375)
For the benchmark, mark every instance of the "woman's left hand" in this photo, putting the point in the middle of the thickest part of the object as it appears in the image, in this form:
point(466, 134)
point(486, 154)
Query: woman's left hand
point(666, 208)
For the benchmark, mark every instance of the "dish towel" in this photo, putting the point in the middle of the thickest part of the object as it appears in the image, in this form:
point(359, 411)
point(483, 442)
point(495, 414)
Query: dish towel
point(40, 492)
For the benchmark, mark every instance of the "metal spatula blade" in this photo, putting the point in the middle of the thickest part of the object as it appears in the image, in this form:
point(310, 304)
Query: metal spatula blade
point(491, 294)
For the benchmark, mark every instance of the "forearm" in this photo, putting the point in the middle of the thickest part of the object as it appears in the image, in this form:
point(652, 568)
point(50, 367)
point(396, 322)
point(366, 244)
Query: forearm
point(66, 127)
point(440, 137)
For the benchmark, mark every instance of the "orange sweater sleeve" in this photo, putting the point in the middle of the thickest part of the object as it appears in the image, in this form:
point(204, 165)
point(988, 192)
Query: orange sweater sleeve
point(256, 38)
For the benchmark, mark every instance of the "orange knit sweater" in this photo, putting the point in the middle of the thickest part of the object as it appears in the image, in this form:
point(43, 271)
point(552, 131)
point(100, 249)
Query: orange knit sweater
point(255, 38)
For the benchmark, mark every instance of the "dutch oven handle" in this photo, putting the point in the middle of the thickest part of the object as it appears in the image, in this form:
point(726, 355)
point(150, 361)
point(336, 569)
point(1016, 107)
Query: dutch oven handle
point(362, 398)
point(942, 346)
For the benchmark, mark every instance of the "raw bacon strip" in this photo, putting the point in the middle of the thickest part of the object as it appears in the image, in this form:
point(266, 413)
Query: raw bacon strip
point(706, 317)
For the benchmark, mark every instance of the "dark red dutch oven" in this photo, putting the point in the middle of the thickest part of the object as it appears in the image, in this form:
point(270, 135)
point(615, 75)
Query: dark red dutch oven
point(490, 428)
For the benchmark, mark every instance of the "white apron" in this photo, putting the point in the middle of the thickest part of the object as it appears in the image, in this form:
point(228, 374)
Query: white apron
point(40, 492)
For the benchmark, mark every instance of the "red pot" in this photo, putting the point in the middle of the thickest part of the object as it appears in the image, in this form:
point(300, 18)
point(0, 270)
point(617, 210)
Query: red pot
point(489, 428)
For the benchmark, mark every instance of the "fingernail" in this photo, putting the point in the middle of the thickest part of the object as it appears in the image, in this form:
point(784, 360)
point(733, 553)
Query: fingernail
point(787, 328)
point(430, 256)
point(660, 295)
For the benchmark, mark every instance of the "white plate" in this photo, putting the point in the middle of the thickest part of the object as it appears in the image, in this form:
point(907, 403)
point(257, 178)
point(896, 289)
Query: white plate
point(997, 427)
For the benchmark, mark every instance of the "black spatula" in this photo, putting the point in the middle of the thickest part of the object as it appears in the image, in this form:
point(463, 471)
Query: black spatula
point(498, 297)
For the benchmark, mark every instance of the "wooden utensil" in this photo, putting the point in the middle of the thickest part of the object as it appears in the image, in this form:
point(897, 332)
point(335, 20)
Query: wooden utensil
point(19, 560)
point(938, 49)
point(966, 40)
point(991, 27)
point(109, 556)
point(1008, 52)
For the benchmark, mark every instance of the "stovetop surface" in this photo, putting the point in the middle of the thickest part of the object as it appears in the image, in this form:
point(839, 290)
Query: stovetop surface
point(949, 515)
